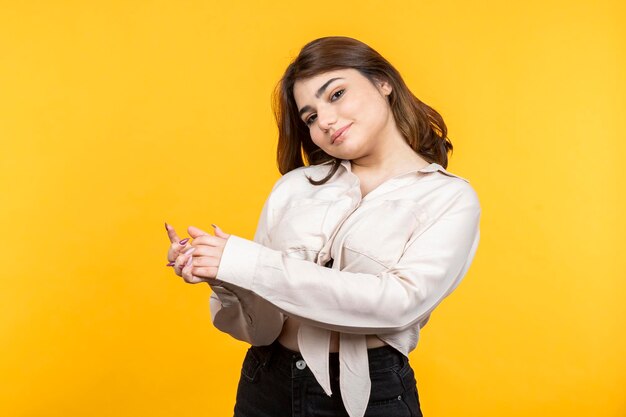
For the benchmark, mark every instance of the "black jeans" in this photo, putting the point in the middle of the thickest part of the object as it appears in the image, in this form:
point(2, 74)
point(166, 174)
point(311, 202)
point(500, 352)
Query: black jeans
point(275, 382)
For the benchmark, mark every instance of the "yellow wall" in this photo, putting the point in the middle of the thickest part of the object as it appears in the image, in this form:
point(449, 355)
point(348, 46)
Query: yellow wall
point(116, 116)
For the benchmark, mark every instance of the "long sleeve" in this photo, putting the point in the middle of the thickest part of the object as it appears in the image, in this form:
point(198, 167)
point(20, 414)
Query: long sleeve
point(240, 312)
point(433, 263)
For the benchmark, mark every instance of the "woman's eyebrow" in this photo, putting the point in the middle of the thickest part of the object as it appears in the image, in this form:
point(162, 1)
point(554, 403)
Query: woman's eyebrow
point(318, 94)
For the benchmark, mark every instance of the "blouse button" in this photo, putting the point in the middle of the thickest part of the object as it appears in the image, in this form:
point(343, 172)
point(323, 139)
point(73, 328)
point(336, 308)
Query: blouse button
point(301, 364)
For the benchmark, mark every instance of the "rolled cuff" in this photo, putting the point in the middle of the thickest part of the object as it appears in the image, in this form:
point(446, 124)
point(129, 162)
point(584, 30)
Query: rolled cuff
point(239, 262)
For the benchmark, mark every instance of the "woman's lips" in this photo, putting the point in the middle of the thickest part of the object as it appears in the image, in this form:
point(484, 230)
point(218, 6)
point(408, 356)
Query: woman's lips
point(340, 133)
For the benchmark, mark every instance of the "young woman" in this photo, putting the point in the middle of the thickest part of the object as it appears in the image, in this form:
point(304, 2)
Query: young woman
point(352, 252)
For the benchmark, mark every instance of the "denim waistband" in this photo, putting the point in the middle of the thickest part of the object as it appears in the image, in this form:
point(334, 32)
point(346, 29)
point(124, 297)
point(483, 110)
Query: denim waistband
point(379, 359)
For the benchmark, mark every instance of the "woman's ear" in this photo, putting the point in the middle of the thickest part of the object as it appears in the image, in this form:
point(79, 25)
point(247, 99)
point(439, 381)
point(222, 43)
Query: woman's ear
point(384, 87)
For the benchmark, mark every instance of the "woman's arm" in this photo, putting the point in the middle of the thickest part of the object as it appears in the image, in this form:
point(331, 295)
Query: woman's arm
point(240, 312)
point(432, 265)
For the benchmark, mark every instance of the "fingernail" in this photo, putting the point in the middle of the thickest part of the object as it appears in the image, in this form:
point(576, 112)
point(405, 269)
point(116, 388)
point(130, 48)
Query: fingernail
point(167, 227)
point(189, 261)
point(184, 241)
point(214, 226)
point(188, 251)
point(170, 264)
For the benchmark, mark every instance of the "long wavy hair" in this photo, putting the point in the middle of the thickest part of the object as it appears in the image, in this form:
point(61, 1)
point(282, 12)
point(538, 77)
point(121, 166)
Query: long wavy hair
point(420, 125)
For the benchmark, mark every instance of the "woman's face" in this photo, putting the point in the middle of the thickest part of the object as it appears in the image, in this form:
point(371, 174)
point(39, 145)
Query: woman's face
point(347, 116)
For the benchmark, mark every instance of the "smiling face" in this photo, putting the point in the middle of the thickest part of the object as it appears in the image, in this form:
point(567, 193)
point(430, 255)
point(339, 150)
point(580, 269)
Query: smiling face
point(348, 117)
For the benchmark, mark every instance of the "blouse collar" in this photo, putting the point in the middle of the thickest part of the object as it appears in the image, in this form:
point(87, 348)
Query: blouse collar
point(432, 167)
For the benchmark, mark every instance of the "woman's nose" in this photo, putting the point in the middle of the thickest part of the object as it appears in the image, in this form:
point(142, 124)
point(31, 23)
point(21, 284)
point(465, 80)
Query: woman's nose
point(326, 118)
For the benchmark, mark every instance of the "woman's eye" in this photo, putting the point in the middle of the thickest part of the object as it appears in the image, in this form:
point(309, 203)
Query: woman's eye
point(338, 93)
point(310, 120)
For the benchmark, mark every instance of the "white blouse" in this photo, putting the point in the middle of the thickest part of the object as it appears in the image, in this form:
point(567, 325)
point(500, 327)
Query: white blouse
point(397, 253)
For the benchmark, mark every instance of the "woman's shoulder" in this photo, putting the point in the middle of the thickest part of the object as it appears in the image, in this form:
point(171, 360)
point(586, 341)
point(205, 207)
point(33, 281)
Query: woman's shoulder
point(435, 167)
point(295, 183)
point(451, 185)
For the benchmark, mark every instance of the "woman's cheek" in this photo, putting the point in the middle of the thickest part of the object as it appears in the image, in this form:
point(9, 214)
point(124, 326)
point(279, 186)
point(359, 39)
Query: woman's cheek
point(317, 136)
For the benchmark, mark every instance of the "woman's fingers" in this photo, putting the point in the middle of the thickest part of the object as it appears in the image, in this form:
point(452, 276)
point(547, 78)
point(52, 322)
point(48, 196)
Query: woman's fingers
point(203, 265)
point(187, 272)
point(207, 240)
point(182, 260)
point(219, 232)
point(177, 248)
point(207, 249)
point(171, 233)
point(176, 245)
point(196, 232)
point(197, 264)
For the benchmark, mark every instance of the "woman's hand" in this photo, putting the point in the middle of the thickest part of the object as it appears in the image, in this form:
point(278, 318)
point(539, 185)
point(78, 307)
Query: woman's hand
point(199, 261)
point(177, 247)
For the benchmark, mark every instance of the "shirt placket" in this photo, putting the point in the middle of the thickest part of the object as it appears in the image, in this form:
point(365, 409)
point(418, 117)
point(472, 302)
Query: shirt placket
point(324, 255)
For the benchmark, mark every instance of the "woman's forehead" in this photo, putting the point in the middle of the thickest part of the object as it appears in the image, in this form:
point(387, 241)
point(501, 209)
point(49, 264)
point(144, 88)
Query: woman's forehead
point(310, 87)
point(323, 76)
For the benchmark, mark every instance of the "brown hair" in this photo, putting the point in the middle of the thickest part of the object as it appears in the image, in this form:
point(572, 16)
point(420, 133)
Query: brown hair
point(422, 127)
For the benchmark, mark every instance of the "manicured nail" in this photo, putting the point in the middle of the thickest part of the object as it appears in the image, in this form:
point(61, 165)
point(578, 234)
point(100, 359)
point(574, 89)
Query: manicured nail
point(167, 227)
point(184, 241)
point(215, 227)
point(171, 264)
point(188, 251)
point(189, 261)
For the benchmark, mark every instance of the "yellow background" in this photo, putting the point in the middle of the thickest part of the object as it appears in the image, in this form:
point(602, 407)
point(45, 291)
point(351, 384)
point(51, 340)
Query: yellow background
point(116, 116)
